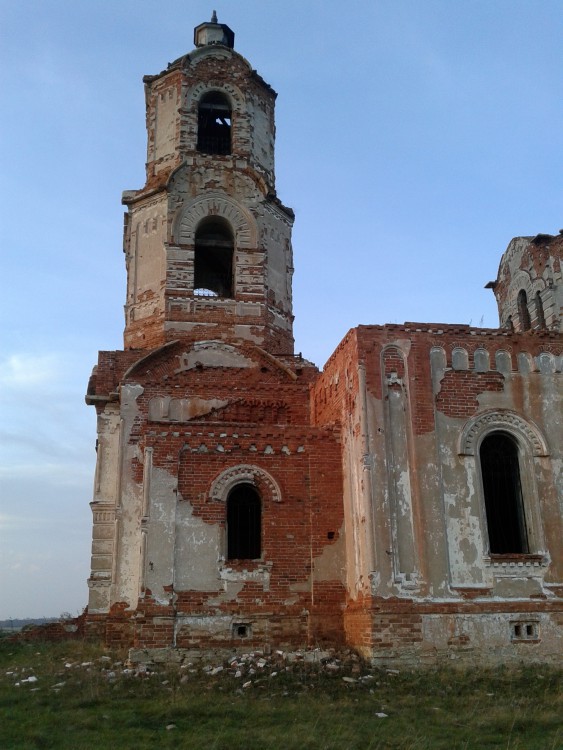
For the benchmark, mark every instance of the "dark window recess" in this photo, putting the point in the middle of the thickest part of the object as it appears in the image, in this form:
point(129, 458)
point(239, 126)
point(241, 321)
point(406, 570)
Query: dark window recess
point(503, 495)
point(213, 260)
point(524, 631)
point(540, 317)
point(214, 124)
point(523, 312)
point(241, 630)
point(244, 523)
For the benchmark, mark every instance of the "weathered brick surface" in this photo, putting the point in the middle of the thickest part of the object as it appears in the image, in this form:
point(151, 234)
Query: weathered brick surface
point(533, 265)
point(459, 391)
point(62, 630)
point(373, 516)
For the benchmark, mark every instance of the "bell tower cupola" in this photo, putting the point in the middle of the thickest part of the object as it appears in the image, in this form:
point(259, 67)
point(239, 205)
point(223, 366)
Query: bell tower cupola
point(213, 33)
point(207, 241)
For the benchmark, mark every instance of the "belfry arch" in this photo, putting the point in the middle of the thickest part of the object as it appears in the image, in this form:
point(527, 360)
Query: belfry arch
point(214, 259)
point(220, 206)
point(214, 124)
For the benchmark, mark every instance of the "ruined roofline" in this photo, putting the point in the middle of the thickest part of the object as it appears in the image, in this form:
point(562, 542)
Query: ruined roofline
point(448, 328)
point(437, 329)
point(532, 239)
point(185, 61)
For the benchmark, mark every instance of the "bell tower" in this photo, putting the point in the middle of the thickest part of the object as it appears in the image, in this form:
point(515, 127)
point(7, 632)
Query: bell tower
point(529, 284)
point(207, 241)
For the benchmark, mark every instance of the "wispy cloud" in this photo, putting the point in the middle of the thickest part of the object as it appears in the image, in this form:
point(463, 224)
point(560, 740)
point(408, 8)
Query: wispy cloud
point(68, 475)
point(19, 371)
point(10, 522)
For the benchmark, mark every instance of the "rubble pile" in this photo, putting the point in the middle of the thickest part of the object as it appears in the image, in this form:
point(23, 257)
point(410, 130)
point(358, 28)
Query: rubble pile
point(247, 669)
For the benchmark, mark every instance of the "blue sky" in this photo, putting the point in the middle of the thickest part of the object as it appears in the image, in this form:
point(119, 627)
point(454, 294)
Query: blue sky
point(415, 138)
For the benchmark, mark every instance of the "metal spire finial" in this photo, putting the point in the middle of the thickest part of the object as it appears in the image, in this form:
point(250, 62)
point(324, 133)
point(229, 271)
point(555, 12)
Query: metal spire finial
point(214, 17)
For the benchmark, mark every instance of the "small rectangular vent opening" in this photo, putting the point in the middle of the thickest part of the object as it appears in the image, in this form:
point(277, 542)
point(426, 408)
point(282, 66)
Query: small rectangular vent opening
point(523, 631)
point(241, 630)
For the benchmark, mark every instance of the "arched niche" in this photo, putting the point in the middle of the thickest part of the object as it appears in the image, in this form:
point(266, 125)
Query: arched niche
point(460, 359)
point(546, 363)
point(503, 361)
point(481, 361)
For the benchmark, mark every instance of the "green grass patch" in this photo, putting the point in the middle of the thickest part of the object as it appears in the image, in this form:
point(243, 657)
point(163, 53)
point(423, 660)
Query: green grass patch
point(80, 697)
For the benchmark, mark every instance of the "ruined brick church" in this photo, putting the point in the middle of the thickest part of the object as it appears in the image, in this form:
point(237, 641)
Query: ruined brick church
point(407, 501)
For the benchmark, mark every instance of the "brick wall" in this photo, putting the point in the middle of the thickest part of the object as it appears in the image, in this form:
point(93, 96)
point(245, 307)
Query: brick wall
point(459, 391)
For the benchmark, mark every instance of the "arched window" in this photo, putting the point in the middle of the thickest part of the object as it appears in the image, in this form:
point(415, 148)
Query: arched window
point(214, 124)
point(213, 259)
point(523, 312)
point(540, 317)
point(244, 523)
point(500, 470)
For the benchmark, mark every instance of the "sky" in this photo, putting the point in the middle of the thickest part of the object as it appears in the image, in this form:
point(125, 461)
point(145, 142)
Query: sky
point(414, 140)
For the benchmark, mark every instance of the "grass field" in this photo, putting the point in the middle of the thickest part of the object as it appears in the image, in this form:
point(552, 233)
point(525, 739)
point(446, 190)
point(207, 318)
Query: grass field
point(76, 696)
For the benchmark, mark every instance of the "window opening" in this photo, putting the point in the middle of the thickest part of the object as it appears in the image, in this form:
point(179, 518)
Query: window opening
point(500, 470)
point(523, 312)
point(214, 124)
point(244, 523)
point(213, 260)
point(540, 317)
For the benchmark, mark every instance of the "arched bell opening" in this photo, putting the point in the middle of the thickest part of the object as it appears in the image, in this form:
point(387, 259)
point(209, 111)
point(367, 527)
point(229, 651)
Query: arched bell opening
point(213, 259)
point(214, 124)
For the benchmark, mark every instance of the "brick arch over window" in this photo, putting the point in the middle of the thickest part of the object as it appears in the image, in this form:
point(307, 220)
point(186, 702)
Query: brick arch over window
point(211, 92)
point(476, 428)
point(232, 95)
point(245, 474)
point(512, 306)
point(502, 447)
point(220, 206)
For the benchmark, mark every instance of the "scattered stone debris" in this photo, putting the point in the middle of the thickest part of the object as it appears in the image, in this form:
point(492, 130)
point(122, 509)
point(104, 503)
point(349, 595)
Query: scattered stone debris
point(248, 669)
